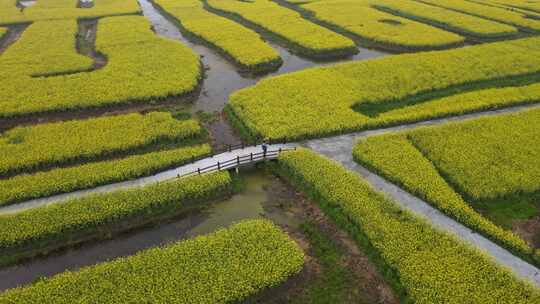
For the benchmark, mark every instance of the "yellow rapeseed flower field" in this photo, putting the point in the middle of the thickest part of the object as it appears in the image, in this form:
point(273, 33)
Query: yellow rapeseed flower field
point(61, 180)
point(515, 18)
point(64, 9)
point(379, 28)
point(44, 145)
point(25, 233)
point(305, 37)
point(339, 98)
point(452, 165)
point(141, 67)
point(454, 21)
point(431, 266)
point(244, 46)
point(222, 267)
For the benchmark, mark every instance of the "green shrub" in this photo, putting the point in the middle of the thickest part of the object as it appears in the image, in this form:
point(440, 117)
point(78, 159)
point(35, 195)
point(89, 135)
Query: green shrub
point(222, 267)
point(431, 266)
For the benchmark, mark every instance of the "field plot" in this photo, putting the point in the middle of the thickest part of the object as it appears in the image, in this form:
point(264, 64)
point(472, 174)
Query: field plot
point(35, 55)
point(63, 9)
point(242, 45)
point(421, 259)
point(117, 147)
point(105, 105)
point(227, 265)
point(305, 37)
point(44, 229)
point(530, 5)
point(470, 170)
point(380, 29)
point(359, 95)
point(519, 19)
point(461, 23)
point(140, 67)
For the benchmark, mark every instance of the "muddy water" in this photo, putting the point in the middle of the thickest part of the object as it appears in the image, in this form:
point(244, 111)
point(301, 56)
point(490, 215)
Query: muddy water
point(86, 41)
point(256, 200)
point(13, 34)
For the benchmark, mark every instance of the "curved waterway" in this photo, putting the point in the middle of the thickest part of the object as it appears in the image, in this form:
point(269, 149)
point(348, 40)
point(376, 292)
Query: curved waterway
point(261, 197)
point(222, 77)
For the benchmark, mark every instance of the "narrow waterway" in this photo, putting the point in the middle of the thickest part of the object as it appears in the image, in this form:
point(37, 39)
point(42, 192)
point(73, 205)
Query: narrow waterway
point(222, 77)
point(261, 197)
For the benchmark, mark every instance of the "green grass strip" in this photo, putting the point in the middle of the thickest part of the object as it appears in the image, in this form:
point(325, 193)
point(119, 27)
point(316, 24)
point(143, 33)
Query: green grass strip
point(29, 186)
point(46, 228)
point(430, 266)
point(222, 267)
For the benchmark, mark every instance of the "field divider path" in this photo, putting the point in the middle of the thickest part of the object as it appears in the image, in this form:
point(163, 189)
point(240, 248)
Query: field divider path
point(338, 148)
point(185, 170)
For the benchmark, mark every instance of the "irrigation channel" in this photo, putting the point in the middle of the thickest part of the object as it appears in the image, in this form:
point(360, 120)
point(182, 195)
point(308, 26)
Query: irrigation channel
point(263, 195)
point(253, 202)
point(223, 78)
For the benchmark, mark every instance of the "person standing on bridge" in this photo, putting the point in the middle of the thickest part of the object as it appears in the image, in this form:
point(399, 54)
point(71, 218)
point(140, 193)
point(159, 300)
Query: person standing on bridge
point(264, 147)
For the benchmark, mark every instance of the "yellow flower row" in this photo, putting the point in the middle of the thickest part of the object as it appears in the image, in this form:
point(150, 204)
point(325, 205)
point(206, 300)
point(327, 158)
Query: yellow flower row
point(45, 48)
point(529, 5)
point(431, 266)
point(225, 266)
point(64, 9)
point(244, 46)
point(502, 15)
point(25, 233)
point(454, 21)
point(305, 37)
point(381, 29)
point(341, 98)
point(485, 158)
point(31, 148)
point(141, 67)
point(61, 180)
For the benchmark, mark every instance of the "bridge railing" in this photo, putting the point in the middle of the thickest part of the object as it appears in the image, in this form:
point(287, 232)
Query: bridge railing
point(243, 145)
point(238, 161)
